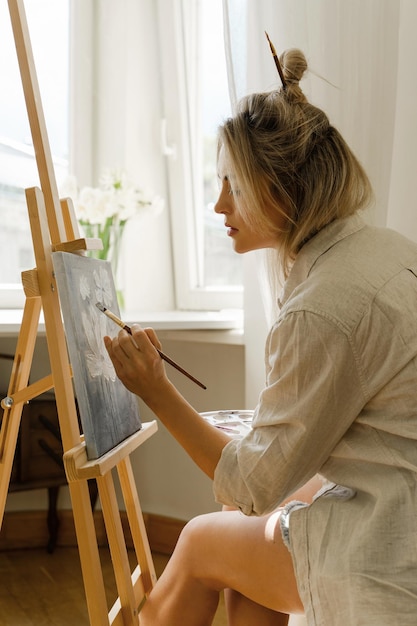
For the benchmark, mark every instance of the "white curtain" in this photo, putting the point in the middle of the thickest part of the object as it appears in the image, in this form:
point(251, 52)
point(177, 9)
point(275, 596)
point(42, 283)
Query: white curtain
point(361, 54)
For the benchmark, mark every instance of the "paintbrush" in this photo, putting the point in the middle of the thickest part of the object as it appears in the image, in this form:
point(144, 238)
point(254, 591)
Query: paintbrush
point(163, 356)
point(276, 60)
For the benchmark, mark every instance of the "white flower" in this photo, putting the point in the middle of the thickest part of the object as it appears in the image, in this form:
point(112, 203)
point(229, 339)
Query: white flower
point(90, 206)
point(116, 197)
point(97, 358)
point(116, 178)
point(84, 287)
point(103, 287)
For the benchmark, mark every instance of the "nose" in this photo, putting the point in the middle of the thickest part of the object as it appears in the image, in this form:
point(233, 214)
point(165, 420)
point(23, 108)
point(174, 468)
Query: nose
point(224, 201)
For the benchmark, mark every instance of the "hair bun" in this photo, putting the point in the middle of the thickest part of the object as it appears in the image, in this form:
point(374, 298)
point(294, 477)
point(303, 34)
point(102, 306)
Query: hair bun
point(294, 65)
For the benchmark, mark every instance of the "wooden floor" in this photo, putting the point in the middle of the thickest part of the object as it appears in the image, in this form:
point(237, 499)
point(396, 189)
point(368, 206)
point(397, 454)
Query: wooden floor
point(37, 588)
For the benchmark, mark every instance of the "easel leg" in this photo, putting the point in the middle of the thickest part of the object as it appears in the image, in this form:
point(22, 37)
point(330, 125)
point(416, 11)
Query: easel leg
point(137, 524)
point(19, 380)
point(118, 549)
point(89, 554)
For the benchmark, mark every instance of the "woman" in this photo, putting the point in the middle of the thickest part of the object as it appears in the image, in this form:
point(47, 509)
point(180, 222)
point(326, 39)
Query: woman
point(340, 398)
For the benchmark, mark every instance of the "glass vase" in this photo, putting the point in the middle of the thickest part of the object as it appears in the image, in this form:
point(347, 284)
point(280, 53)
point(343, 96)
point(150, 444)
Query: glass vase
point(111, 235)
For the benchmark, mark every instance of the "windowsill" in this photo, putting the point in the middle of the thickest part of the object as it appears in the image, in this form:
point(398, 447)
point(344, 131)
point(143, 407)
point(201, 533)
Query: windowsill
point(216, 326)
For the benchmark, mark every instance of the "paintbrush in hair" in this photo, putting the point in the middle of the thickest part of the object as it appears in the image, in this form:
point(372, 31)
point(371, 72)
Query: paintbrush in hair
point(277, 63)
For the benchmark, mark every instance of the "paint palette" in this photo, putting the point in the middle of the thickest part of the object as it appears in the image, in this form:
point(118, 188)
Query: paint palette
point(235, 422)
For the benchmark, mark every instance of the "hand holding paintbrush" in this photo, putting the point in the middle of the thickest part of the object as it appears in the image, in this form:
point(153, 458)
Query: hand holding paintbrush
point(163, 356)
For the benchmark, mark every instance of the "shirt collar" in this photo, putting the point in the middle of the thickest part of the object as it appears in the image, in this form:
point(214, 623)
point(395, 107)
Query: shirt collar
point(313, 249)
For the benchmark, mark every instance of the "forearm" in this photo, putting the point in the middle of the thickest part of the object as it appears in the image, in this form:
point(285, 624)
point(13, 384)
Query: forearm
point(202, 441)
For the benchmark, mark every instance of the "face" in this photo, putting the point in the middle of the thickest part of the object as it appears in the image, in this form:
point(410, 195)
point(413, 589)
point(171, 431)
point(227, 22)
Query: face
point(244, 237)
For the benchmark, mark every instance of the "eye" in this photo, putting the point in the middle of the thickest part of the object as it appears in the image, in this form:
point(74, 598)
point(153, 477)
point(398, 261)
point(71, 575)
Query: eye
point(232, 191)
point(224, 183)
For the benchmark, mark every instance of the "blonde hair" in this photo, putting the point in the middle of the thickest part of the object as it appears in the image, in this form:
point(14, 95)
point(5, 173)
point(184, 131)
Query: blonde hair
point(290, 162)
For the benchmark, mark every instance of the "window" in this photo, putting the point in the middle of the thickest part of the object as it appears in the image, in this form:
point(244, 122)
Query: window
point(196, 100)
point(18, 169)
point(208, 274)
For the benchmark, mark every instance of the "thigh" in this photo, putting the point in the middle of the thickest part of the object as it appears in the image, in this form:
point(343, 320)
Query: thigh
point(247, 554)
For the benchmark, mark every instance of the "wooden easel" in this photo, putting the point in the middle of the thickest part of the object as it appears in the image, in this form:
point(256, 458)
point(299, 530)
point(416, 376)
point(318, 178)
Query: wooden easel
point(54, 227)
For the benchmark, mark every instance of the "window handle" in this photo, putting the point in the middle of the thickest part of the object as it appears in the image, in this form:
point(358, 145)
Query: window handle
point(167, 150)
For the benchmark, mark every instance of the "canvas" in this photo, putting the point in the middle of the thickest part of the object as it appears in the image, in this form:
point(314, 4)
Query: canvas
point(109, 413)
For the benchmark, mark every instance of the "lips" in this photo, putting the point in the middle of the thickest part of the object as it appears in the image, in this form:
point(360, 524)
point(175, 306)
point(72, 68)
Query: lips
point(230, 230)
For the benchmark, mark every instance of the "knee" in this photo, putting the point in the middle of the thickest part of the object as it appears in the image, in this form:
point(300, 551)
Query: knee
point(194, 532)
point(194, 544)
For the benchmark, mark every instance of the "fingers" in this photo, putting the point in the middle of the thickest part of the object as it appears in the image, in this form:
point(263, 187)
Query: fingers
point(139, 345)
point(141, 338)
point(108, 342)
point(127, 360)
point(137, 362)
point(145, 339)
point(153, 337)
point(112, 347)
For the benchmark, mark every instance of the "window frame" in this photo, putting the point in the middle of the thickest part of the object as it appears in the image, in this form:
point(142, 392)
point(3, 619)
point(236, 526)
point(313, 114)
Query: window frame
point(180, 149)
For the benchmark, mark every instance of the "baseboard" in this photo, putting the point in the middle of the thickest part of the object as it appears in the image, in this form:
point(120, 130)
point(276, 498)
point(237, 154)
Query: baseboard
point(28, 529)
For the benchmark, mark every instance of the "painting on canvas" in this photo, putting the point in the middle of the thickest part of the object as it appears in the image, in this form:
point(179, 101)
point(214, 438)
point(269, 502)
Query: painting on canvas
point(109, 413)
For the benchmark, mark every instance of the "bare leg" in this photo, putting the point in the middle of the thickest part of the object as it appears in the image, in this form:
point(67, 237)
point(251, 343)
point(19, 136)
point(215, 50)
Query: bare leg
point(242, 611)
point(226, 550)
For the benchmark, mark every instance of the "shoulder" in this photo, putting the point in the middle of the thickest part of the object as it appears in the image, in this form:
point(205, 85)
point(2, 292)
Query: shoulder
point(346, 278)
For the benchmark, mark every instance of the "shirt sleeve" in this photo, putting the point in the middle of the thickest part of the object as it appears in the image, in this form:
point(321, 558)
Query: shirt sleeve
point(314, 391)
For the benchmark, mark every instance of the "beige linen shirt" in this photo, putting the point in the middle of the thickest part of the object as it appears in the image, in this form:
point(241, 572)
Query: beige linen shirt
point(341, 400)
